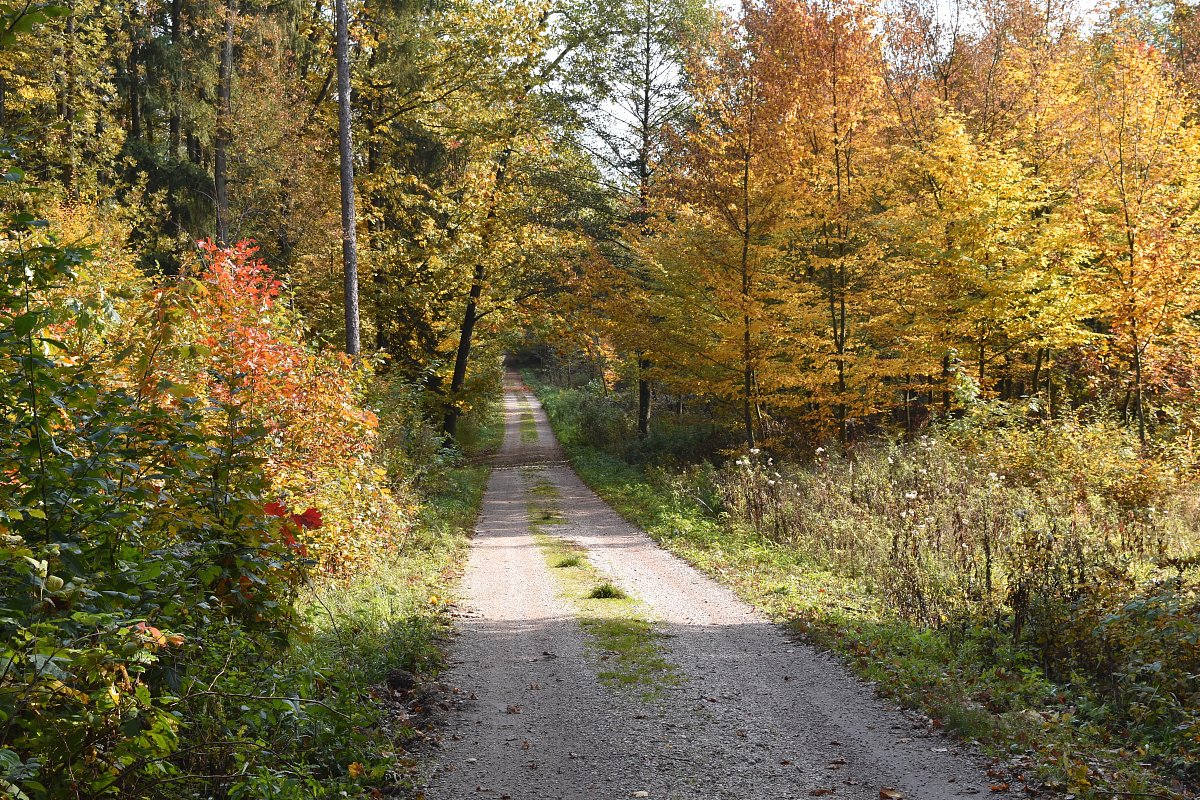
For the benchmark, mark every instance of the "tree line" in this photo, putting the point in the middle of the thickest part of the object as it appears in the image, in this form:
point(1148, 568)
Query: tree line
point(822, 218)
point(875, 213)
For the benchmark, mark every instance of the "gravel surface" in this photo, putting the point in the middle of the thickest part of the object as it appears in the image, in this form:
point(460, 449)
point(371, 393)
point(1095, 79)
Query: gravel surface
point(756, 714)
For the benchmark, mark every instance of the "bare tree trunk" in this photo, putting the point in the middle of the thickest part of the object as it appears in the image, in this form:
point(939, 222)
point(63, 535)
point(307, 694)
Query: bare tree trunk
point(346, 153)
point(132, 65)
point(1037, 372)
point(175, 136)
point(224, 135)
point(645, 395)
point(645, 398)
point(462, 356)
point(946, 384)
point(1138, 407)
point(747, 343)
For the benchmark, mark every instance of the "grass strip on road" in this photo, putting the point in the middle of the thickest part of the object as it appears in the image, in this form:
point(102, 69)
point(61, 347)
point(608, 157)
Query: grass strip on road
point(629, 647)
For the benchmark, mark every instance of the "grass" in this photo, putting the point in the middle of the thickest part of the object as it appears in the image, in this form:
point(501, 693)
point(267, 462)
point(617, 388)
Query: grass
point(528, 425)
point(969, 679)
point(607, 591)
point(629, 647)
point(395, 614)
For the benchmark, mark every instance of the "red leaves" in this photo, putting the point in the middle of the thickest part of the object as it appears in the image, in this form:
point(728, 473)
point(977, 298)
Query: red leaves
point(310, 519)
point(238, 275)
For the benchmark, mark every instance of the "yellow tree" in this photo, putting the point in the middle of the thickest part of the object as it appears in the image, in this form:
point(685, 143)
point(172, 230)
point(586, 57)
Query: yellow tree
point(985, 272)
point(727, 189)
point(1138, 195)
point(830, 56)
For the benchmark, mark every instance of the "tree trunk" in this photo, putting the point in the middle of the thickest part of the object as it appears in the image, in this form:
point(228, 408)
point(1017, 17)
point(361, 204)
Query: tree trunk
point(946, 384)
point(463, 354)
point(1037, 371)
point(374, 227)
point(645, 396)
point(67, 108)
point(471, 312)
point(175, 136)
point(1138, 407)
point(644, 399)
point(747, 342)
point(346, 154)
point(224, 135)
point(135, 90)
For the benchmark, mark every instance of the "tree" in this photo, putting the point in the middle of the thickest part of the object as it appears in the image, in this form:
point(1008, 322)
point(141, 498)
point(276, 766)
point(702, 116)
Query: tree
point(830, 55)
point(640, 96)
point(728, 187)
point(1136, 206)
point(986, 276)
point(223, 139)
point(346, 160)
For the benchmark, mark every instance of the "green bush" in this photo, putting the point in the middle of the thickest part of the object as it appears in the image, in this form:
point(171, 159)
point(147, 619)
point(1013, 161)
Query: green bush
point(132, 533)
point(149, 615)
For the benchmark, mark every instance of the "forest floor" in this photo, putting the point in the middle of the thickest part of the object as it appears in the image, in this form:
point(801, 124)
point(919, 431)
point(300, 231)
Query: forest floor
point(590, 663)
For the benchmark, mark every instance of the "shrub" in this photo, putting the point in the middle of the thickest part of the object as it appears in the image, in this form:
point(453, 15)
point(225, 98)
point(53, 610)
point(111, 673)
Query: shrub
point(177, 465)
point(132, 529)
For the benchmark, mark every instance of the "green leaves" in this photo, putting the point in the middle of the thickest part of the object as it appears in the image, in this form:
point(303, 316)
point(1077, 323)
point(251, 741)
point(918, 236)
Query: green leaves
point(21, 18)
point(24, 324)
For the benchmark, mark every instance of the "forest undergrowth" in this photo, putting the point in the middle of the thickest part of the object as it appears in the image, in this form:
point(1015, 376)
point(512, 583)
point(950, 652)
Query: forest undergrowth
point(1032, 587)
point(218, 538)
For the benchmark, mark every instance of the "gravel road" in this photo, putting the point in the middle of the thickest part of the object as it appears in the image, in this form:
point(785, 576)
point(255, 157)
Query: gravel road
point(757, 715)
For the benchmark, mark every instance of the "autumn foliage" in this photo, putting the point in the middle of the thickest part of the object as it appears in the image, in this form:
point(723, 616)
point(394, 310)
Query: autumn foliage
point(865, 218)
point(321, 439)
point(181, 464)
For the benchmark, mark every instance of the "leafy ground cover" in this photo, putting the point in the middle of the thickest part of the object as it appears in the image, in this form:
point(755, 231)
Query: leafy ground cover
point(1060, 638)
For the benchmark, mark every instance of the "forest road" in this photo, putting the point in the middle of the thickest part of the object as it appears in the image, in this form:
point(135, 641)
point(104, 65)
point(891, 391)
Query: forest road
point(754, 714)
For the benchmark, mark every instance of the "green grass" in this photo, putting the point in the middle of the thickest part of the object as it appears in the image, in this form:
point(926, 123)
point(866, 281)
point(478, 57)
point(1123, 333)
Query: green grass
point(395, 613)
point(969, 680)
point(632, 650)
point(528, 424)
point(541, 506)
point(607, 591)
point(629, 648)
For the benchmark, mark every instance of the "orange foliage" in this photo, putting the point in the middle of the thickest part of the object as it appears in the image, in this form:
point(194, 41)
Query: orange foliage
point(225, 336)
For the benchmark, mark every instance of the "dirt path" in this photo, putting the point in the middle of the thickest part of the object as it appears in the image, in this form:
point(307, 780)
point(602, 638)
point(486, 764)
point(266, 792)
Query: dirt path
point(753, 715)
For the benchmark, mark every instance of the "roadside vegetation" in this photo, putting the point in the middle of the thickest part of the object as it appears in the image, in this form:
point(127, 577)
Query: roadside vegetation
point(209, 563)
point(1031, 587)
point(893, 324)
